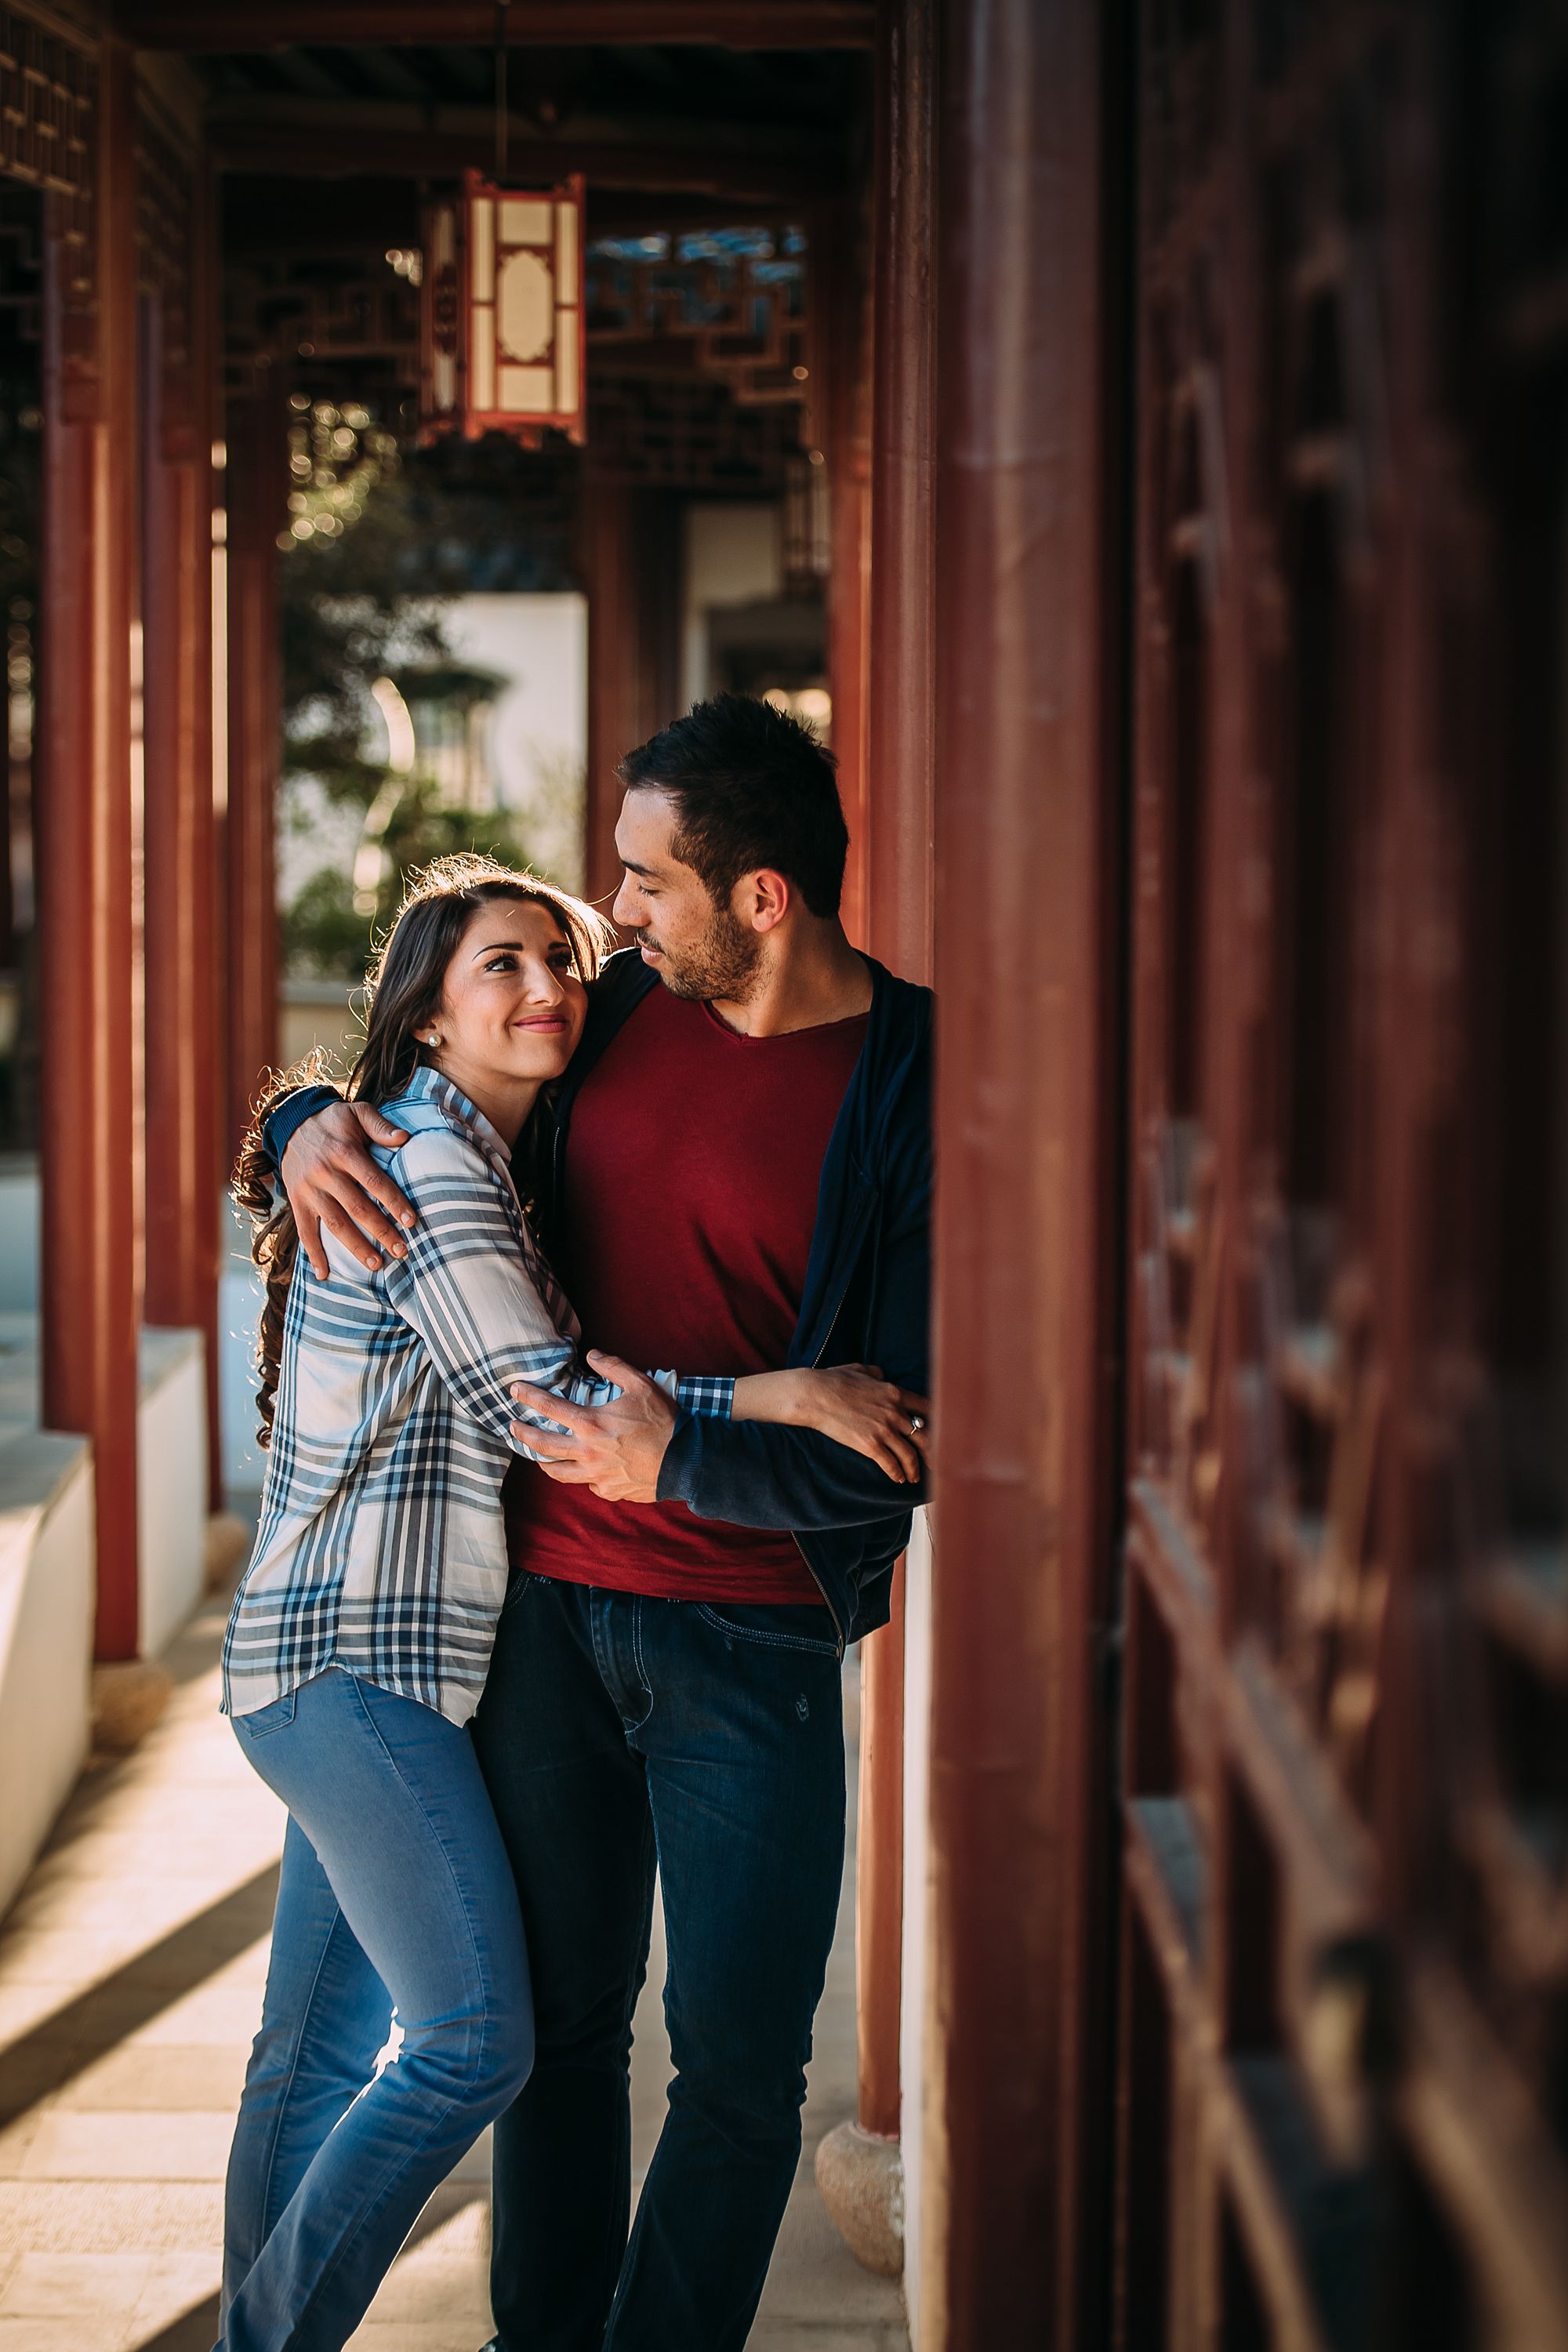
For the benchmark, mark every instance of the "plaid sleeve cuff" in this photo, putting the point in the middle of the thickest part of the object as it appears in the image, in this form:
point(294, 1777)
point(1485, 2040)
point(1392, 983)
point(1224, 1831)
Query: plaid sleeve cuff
point(712, 1394)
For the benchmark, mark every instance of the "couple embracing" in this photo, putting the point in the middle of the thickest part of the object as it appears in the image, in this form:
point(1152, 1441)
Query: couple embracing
point(523, 1624)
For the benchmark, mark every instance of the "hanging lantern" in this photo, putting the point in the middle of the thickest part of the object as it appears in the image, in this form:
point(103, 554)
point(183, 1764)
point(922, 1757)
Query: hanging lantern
point(502, 312)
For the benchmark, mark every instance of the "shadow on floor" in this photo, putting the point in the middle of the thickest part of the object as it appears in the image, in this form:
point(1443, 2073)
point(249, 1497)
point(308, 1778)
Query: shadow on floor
point(65, 2043)
point(195, 2329)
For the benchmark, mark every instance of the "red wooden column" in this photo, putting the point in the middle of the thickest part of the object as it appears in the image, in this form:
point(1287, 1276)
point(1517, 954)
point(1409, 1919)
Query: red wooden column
point(604, 525)
point(839, 284)
point(184, 1056)
point(258, 483)
point(901, 812)
point(902, 771)
point(84, 821)
point(858, 2168)
point(1027, 1074)
point(629, 553)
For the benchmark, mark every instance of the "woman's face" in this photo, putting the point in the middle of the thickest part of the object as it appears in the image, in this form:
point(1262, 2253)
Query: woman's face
point(512, 1006)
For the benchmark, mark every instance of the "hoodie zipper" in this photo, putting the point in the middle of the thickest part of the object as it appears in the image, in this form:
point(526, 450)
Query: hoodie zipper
point(822, 1588)
point(816, 1362)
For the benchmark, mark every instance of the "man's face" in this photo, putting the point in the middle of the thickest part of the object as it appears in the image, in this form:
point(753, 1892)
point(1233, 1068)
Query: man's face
point(698, 950)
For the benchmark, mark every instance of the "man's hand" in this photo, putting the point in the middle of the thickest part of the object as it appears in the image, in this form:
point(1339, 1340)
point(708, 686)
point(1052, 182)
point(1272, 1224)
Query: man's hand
point(331, 1180)
point(617, 1448)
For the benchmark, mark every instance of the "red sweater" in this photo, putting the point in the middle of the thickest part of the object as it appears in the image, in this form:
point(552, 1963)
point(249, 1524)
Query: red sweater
point(692, 1168)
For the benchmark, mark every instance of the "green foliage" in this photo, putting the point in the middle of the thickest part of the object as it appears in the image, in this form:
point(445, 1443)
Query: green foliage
point(327, 935)
point(391, 538)
point(334, 648)
point(360, 603)
point(323, 936)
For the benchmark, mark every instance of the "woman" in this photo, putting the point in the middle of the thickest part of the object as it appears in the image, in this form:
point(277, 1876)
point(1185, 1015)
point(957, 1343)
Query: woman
point(362, 1629)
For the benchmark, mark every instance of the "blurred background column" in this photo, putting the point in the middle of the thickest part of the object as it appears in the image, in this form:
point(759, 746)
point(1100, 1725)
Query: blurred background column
point(860, 2168)
point(258, 479)
point(841, 296)
point(629, 548)
point(184, 1019)
point(1014, 2202)
point(91, 1096)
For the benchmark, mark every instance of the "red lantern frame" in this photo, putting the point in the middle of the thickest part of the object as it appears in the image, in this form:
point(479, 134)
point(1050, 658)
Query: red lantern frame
point(504, 338)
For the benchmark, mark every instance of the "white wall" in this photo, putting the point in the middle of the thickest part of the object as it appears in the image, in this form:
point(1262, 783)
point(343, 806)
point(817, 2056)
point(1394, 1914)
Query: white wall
point(538, 736)
point(538, 725)
point(19, 1238)
point(171, 1502)
point(916, 1873)
point(47, 1549)
point(312, 1012)
point(48, 1569)
point(734, 555)
point(238, 1307)
point(172, 1485)
point(46, 1637)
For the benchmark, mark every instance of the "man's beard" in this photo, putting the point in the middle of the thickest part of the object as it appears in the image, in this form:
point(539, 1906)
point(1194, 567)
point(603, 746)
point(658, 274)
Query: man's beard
point(722, 967)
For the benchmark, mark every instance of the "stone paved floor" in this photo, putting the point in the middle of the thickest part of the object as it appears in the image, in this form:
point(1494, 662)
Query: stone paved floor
point(131, 1974)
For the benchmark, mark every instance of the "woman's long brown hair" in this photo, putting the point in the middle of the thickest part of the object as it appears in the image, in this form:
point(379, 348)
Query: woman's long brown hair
point(403, 991)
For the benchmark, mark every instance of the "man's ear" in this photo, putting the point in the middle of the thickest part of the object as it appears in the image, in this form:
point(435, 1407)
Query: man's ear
point(769, 898)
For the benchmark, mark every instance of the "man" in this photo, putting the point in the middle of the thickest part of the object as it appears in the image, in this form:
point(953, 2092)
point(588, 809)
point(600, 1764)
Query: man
point(740, 1179)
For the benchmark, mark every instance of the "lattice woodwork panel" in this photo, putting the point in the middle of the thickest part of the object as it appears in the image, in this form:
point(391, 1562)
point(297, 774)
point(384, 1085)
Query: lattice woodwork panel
point(1346, 1833)
point(735, 298)
point(21, 260)
point(46, 90)
point(1499, 1890)
point(688, 434)
point(47, 94)
point(314, 317)
point(699, 374)
point(165, 260)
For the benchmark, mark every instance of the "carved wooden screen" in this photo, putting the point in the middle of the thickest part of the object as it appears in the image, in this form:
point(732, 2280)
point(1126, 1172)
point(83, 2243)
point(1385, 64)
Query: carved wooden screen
point(1344, 1948)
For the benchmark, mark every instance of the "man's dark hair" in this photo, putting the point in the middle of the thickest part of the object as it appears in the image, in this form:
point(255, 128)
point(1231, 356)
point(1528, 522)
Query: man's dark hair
point(753, 787)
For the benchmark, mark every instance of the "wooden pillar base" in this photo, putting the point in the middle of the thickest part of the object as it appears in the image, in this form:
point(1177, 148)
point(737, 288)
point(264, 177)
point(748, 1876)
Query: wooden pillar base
point(861, 2180)
point(227, 1549)
point(128, 1699)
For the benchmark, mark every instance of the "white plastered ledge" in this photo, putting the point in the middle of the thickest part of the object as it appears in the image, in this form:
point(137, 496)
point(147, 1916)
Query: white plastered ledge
point(48, 1568)
point(45, 1636)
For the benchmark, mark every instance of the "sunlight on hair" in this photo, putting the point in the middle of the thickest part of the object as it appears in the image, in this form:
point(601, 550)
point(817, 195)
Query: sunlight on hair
point(464, 869)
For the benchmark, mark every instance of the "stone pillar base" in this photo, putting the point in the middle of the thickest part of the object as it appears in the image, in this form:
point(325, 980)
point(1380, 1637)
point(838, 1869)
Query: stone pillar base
point(861, 2178)
point(127, 1701)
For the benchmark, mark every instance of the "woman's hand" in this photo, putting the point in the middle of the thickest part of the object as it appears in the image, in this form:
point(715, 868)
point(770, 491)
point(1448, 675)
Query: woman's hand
point(851, 1403)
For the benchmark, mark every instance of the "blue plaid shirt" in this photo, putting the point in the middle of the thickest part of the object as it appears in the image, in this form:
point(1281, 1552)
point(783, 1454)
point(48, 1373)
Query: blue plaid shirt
point(382, 1546)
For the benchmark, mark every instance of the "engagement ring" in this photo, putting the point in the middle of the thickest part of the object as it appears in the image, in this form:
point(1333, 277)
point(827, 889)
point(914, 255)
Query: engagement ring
point(917, 1422)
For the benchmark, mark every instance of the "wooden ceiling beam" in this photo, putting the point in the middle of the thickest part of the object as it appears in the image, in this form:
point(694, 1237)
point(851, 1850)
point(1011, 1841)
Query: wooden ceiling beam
point(351, 149)
point(197, 26)
point(297, 215)
point(327, 119)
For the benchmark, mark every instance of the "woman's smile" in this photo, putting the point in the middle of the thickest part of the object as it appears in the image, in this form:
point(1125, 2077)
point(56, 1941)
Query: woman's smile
point(509, 1010)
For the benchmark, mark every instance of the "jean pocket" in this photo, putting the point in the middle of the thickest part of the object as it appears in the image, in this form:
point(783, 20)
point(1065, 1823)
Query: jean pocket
point(263, 1719)
point(524, 1580)
point(784, 1625)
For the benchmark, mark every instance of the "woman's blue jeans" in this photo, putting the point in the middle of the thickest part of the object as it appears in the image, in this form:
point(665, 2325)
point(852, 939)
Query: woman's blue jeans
point(396, 1896)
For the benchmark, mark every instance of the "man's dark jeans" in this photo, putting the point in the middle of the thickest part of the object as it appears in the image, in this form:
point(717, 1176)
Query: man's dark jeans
point(614, 1732)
